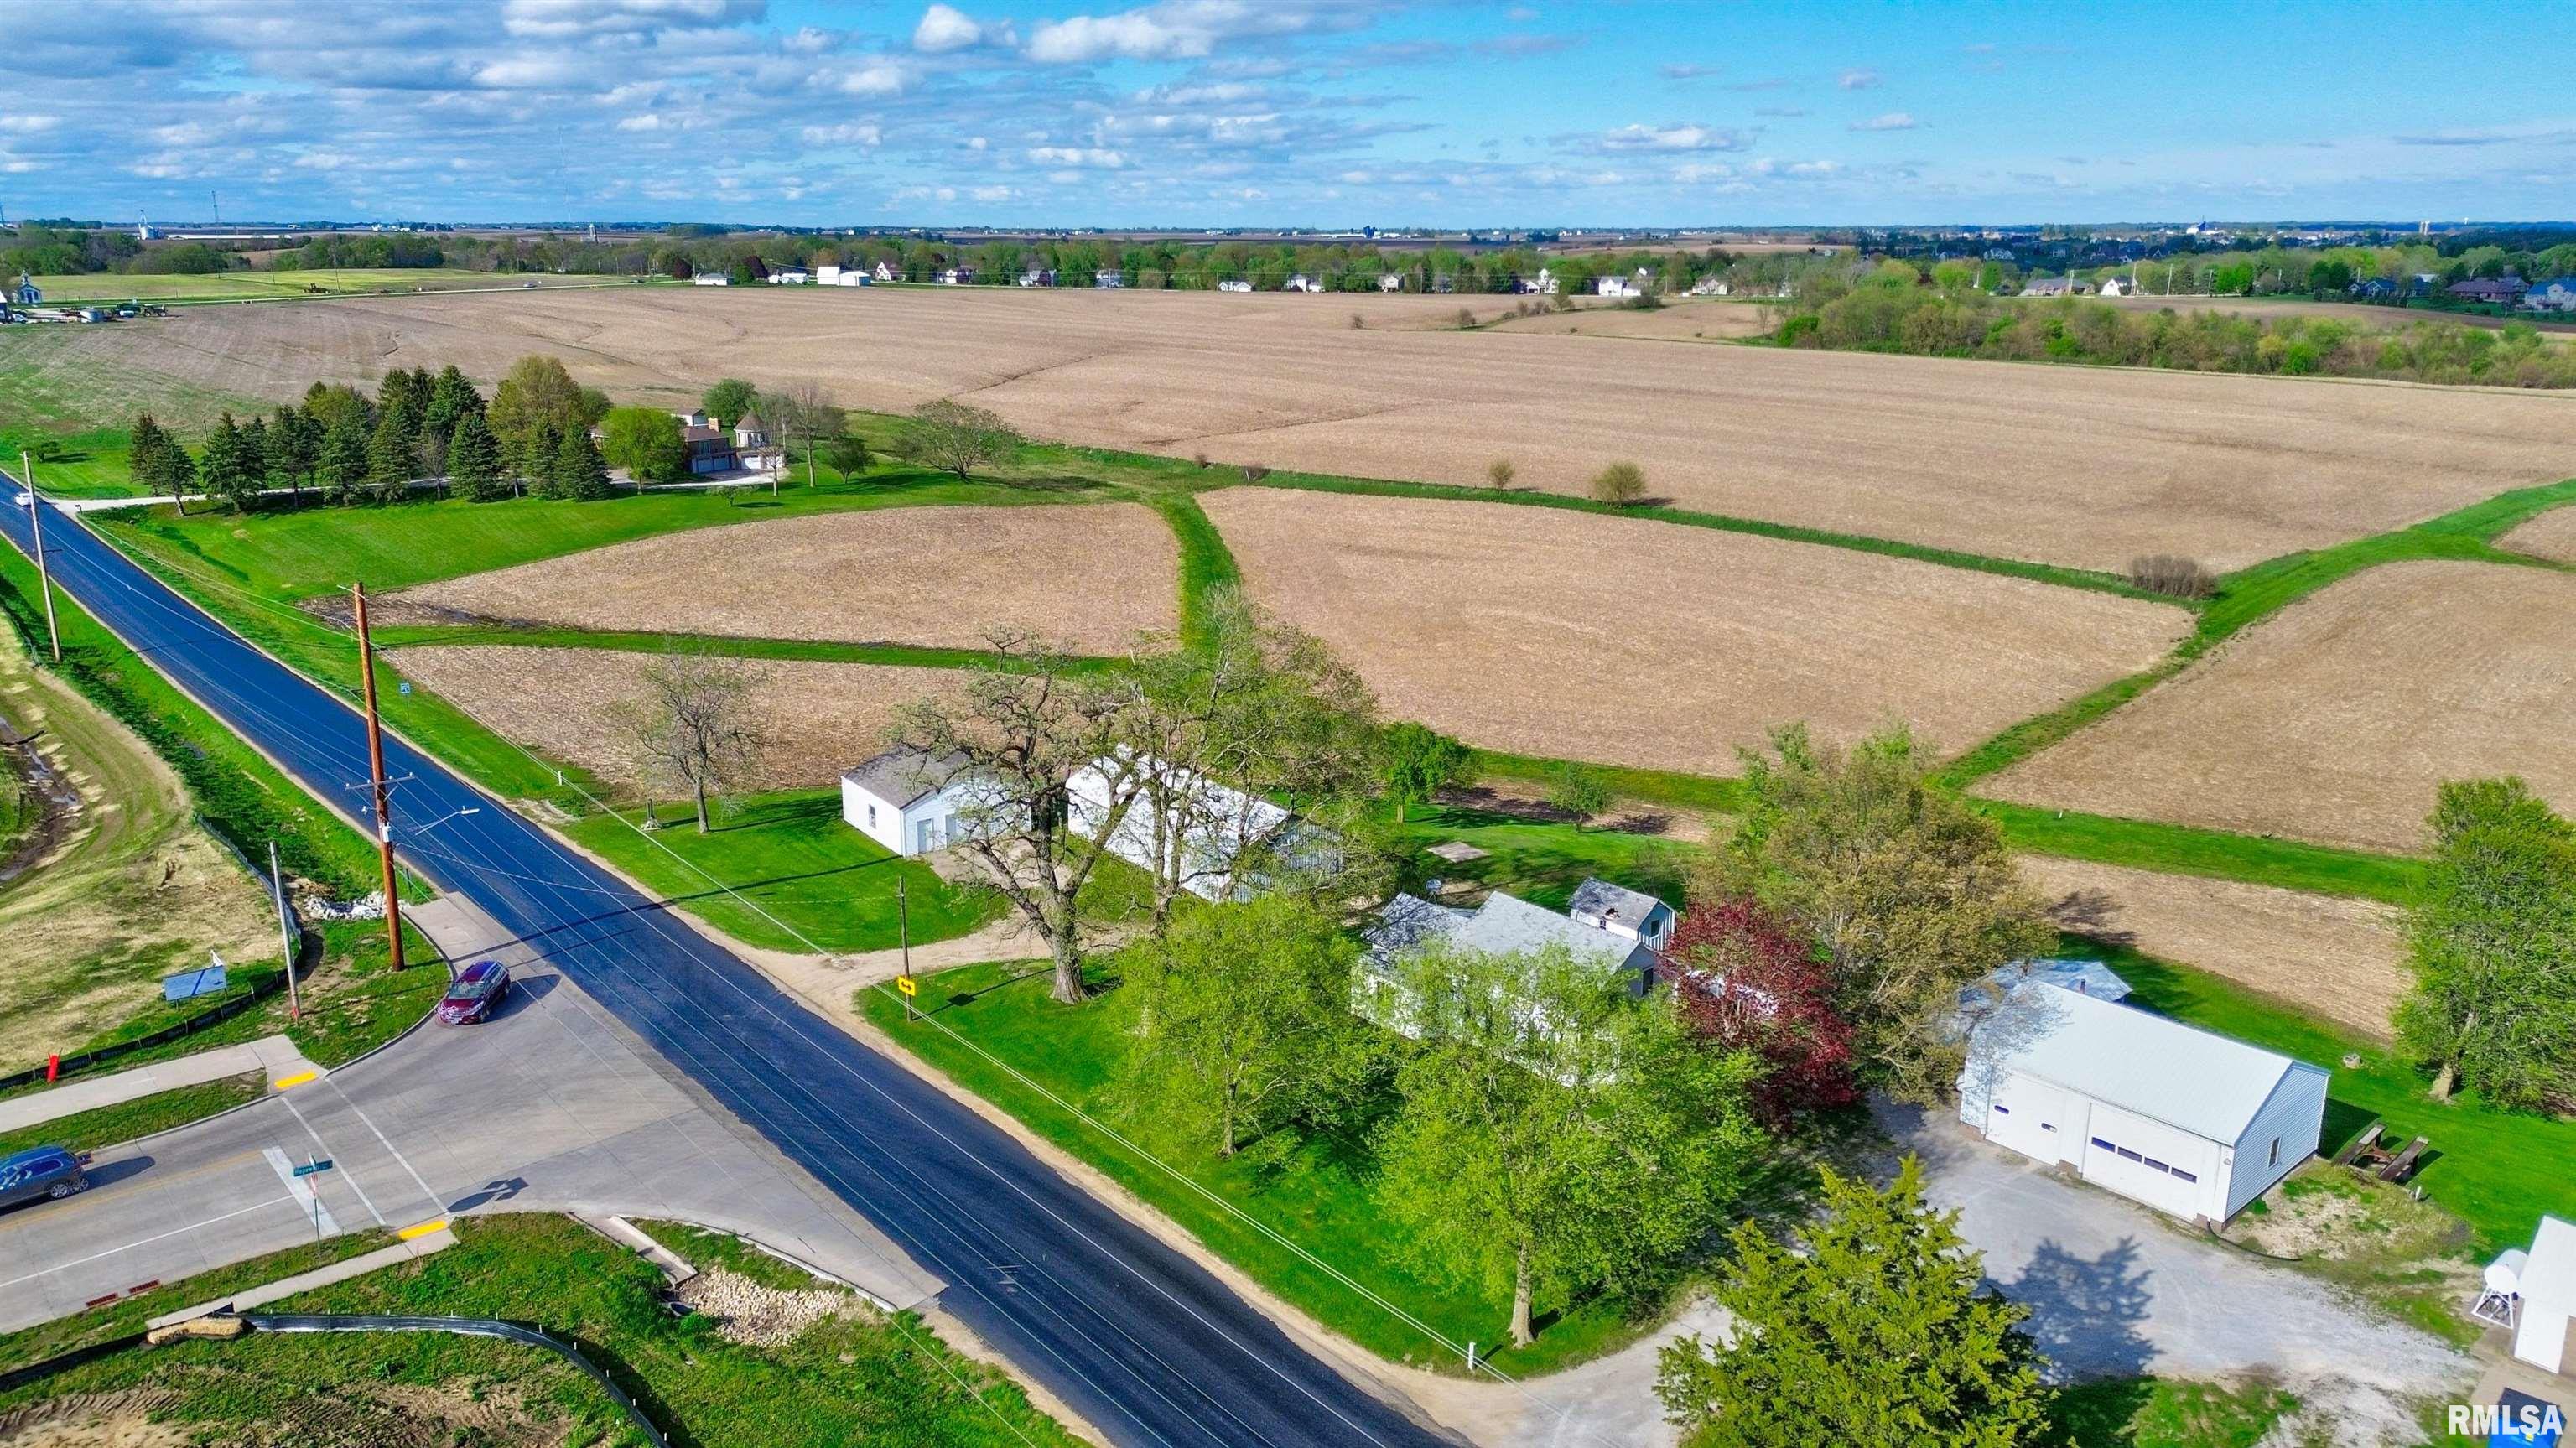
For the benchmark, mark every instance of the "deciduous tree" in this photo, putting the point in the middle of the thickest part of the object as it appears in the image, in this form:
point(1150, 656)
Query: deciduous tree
point(645, 441)
point(1556, 1132)
point(1246, 1018)
point(1416, 763)
point(1579, 790)
point(1910, 896)
point(697, 725)
point(1013, 738)
point(2494, 945)
point(536, 396)
point(728, 400)
point(954, 437)
point(1878, 1333)
point(1744, 981)
point(806, 417)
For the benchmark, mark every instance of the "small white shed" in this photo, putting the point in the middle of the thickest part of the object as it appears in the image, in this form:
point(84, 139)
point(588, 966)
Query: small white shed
point(2546, 1320)
point(2186, 1121)
point(897, 799)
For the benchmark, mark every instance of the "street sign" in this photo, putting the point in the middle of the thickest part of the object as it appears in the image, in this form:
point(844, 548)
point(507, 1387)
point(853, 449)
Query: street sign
point(906, 984)
point(314, 1168)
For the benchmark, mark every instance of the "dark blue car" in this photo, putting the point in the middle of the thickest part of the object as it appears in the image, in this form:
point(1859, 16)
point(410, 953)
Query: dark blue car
point(44, 1171)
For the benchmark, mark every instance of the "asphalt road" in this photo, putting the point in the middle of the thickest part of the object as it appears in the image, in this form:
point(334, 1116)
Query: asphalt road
point(1132, 1335)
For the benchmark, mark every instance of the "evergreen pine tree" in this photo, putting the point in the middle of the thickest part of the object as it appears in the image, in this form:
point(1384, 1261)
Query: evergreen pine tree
point(288, 456)
point(579, 473)
point(390, 451)
point(230, 474)
point(474, 461)
point(536, 461)
point(145, 454)
point(340, 467)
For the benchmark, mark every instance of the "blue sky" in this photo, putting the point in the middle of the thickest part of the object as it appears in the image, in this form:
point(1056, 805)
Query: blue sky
point(1278, 112)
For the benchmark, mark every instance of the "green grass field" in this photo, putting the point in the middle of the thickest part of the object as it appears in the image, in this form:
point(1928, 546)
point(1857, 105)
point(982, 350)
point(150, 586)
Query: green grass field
point(861, 1377)
point(1315, 1195)
point(791, 856)
point(2155, 1413)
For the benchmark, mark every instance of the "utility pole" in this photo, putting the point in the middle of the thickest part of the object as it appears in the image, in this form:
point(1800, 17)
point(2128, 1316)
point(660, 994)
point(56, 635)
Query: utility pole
point(44, 575)
point(376, 775)
point(285, 933)
point(903, 919)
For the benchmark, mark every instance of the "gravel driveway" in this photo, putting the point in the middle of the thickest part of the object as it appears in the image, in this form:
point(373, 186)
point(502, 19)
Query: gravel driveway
point(2115, 1290)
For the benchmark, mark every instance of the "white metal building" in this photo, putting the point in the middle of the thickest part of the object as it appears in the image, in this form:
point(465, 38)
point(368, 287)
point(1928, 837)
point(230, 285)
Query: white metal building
point(1223, 826)
point(896, 800)
point(2186, 1121)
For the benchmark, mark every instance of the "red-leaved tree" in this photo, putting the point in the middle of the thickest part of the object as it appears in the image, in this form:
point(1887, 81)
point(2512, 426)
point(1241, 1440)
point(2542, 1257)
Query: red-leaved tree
point(1744, 980)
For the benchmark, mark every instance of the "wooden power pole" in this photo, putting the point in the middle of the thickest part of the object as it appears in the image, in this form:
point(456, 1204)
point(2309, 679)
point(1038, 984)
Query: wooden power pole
point(376, 775)
point(44, 575)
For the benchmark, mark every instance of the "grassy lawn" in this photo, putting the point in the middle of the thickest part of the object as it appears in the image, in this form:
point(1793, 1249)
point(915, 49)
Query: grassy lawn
point(2190, 850)
point(1541, 861)
point(141, 1117)
point(2157, 1413)
point(90, 464)
point(2496, 1170)
point(860, 1377)
point(793, 856)
point(1316, 1195)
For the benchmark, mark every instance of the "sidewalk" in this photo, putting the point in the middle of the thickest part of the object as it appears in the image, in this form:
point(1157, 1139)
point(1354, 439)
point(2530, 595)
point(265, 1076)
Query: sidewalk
point(276, 1056)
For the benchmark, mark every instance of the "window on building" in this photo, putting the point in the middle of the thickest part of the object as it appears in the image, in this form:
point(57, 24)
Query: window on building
point(2276, 1151)
point(872, 816)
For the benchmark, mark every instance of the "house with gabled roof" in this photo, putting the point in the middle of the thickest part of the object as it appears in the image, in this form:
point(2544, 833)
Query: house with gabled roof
point(911, 802)
point(1505, 924)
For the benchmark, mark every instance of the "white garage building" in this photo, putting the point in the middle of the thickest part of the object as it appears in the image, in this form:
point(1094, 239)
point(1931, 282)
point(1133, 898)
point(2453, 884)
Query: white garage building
point(2188, 1122)
point(2545, 1318)
point(897, 800)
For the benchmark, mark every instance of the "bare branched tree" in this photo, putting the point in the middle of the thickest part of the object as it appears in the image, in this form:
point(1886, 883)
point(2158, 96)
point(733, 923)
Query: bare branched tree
point(1284, 730)
point(1010, 744)
point(805, 417)
point(696, 726)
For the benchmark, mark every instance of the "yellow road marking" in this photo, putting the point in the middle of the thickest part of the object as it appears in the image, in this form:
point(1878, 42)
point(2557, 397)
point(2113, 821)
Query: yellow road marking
point(421, 1229)
point(298, 1079)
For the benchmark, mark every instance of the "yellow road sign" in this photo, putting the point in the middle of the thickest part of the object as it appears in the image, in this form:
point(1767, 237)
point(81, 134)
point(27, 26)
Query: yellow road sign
point(905, 984)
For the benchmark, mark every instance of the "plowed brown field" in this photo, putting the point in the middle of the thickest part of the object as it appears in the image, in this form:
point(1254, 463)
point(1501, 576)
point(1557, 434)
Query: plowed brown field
point(1088, 577)
point(2551, 535)
point(820, 718)
point(2343, 959)
point(2335, 720)
point(2073, 465)
point(1624, 641)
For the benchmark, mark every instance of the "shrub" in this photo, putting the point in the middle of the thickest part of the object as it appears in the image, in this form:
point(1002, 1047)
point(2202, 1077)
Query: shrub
point(1255, 472)
point(1358, 321)
point(1466, 320)
point(1500, 472)
point(2172, 575)
point(1620, 484)
point(1200, 458)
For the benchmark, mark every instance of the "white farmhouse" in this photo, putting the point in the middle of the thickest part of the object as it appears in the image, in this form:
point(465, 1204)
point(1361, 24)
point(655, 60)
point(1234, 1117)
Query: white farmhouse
point(1390, 281)
point(2186, 1121)
point(1219, 826)
point(898, 800)
point(1622, 911)
point(1504, 925)
point(827, 275)
point(886, 272)
point(2114, 287)
point(1234, 284)
point(2558, 294)
point(1304, 283)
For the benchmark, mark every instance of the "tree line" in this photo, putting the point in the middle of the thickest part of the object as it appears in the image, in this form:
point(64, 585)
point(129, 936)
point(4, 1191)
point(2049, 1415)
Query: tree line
point(1891, 308)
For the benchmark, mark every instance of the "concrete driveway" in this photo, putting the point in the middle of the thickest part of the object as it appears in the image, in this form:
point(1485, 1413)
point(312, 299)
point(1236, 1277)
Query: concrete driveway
point(553, 1106)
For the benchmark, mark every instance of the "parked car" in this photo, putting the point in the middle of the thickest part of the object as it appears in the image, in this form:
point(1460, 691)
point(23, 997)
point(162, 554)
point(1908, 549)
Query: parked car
point(44, 1171)
point(475, 993)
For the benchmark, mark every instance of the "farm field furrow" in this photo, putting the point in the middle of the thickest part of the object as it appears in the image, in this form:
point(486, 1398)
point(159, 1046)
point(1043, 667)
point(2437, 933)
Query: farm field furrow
point(2336, 720)
point(818, 719)
point(1621, 641)
point(2339, 958)
point(2552, 535)
point(2071, 465)
point(1088, 577)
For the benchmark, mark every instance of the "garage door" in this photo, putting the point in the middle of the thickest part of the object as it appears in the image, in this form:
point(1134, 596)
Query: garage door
point(2034, 1118)
point(2147, 1160)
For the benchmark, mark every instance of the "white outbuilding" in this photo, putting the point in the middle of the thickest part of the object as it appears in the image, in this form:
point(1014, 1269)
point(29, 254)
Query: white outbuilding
point(2544, 1317)
point(2186, 1121)
point(910, 802)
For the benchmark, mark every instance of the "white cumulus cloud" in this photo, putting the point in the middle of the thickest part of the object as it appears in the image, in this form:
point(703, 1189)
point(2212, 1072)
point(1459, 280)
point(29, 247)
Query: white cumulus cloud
point(1892, 121)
